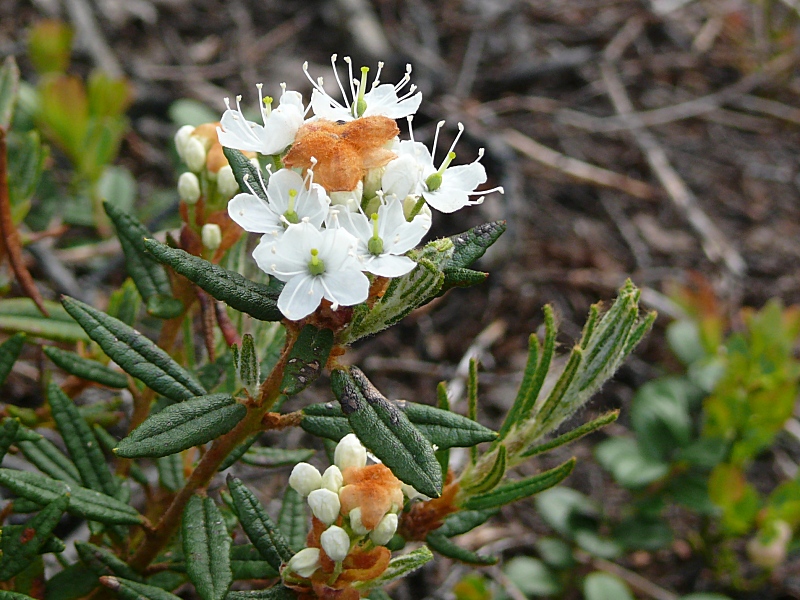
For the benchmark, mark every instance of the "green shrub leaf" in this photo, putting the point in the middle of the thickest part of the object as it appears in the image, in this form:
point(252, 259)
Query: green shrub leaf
point(306, 359)
point(464, 521)
point(293, 519)
point(9, 353)
point(86, 368)
point(21, 315)
point(19, 547)
point(517, 490)
point(133, 590)
point(103, 562)
point(247, 175)
point(447, 547)
point(247, 563)
point(206, 546)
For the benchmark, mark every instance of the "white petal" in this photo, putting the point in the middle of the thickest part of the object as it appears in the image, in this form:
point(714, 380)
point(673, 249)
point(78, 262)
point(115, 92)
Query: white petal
point(345, 287)
point(383, 101)
point(337, 250)
point(236, 132)
point(252, 214)
point(399, 236)
point(324, 107)
point(464, 177)
point(446, 201)
point(388, 265)
point(279, 186)
point(402, 176)
point(300, 297)
point(265, 257)
point(357, 224)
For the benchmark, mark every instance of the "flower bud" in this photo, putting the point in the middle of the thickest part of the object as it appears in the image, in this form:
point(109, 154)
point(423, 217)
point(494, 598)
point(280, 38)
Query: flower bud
point(194, 154)
point(372, 181)
point(324, 505)
point(384, 532)
point(211, 235)
point(350, 453)
point(769, 551)
point(410, 202)
point(332, 479)
point(401, 176)
point(181, 137)
point(226, 182)
point(355, 522)
point(189, 188)
point(335, 542)
point(305, 479)
point(351, 200)
point(304, 563)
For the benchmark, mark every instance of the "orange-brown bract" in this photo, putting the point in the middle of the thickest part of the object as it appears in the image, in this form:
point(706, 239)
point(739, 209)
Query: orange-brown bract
point(343, 150)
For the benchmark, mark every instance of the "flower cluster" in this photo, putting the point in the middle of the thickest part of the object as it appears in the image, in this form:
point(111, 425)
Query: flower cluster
point(346, 199)
point(354, 507)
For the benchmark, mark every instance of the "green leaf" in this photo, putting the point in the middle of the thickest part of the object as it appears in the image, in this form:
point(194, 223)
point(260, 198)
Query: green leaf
point(148, 274)
point(118, 187)
point(46, 457)
point(207, 547)
point(293, 519)
point(170, 472)
point(400, 566)
point(86, 368)
point(183, 425)
point(623, 458)
point(8, 434)
point(255, 299)
point(446, 547)
point(492, 477)
point(239, 451)
point(109, 442)
point(262, 531)
point(660, 417)
point(6, 595)
point(9, 353)
point(104, 562)
point(83, 502)
point(532, 577)
point(124, 303)
point(387, 432)
point(248, 364)
point(133, 590)
point(19, 547)
point(464, 521)
point(602, 586)
point(562, 507)
point(575, 434)
point(276, 592)
point(556, 395)
point(137, 355)
point(263, 456)
point(81, 443)
point(517, 490)
point(247, 175)
point(73, 582)
point(21, 315)
point(555, 552)
point(467, 248)
point(247, 563)
point(186, 111)
point(9, 86)
point(306, 360)
point(443, 428)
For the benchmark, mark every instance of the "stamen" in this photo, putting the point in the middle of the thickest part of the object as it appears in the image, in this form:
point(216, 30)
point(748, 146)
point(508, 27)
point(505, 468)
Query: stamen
point(317, 85)
point(455, 141)
point(349, 62)
point(261, 104)
point(439, 126)
point(339, 81)
point(410, 128)
point(499, 188)
point(377, 79)
point(334, 303)
point(408, 94)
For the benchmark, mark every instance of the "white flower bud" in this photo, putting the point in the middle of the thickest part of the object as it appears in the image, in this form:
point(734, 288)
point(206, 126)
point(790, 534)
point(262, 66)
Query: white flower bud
point(350, 453)
point(305, 479)
point(324, 505)
point(410, 202)
point(335, 542)
point(385, 530)
point(770, 553)
point(194, 154)
point(226, 182)
point(401, 176)
point(189, 188)
point(211, 235)
point(304, 563)
point(372, 181)
point(332, 479)
point(351, 200)
point(355, 522)
point(181, 137)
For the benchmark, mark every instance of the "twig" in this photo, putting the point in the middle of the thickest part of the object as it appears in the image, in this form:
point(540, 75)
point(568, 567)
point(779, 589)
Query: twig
point(715, 246)
point(624, 38)
point(469, 65)
point(577, 168)
point(640, 251)
point(63, 279)
point(207, 320)
point(768, 107)
point(227, 328)
point(89, 32)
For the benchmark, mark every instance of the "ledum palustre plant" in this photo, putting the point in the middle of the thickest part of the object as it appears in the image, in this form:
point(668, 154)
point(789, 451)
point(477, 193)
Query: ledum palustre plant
point(342, 202)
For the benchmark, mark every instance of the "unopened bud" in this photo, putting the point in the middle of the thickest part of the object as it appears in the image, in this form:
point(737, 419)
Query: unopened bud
point(305, 479)
point(211, 235)
point(349, 199)
point(304, 563)
point(226, 182)
point(372, 181)
point(350, 453)
point(332, 479)
point(410, 203)
point(181, 137)
point(385, 530)
point(189, 188)
point(400, 177)
point(355, 522)
point(325, 505)
point(194, 154)
point(335, 542)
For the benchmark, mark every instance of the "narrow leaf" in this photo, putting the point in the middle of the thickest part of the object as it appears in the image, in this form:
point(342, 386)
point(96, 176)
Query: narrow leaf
point(517, 490)
point(306, 360)
point(276, 592)
point(492, 477)
point(109, 442)
point(170, 472)
point(446, 547)
point(461, 278)
point(293, 519)
point(86, 368)
point(255, 299)
point(133, 590)
point(387, 432)
point(73, 582)
point(247, 563)
point(21, 546)
point(400, 566)
point(263, 456)
point(248, 363)
point(104, 562)
point(262, 531)
point(247, 175)
point(471, 245)
point(81, 443)
point(573, 435)
point(239, 451)
point(147, 273)
point(21, 315)
point(8, 434)
point(9, 353)
point(6, 595)
point(83, 502)
point(9, 86)
point(46, 457)
point(528, 376)
point(464, 521)
point(562, 385)
point(183, 425)
point(206, 546)
point(136, 354)
point(543, 366)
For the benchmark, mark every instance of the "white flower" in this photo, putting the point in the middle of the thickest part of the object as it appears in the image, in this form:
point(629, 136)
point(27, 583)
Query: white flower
point(211, 235)
point(305, 479)
point(290, 201)
point(305, 562)
point(380, 100)
point(189, 188)
point(325, 505)
point(350, 453)
point(332, 479)
point(385, 236)
point(356, 524)
point(384, 532)
point(227, 185)
point(314, 264)
point(336, 543)
point(279, 129)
